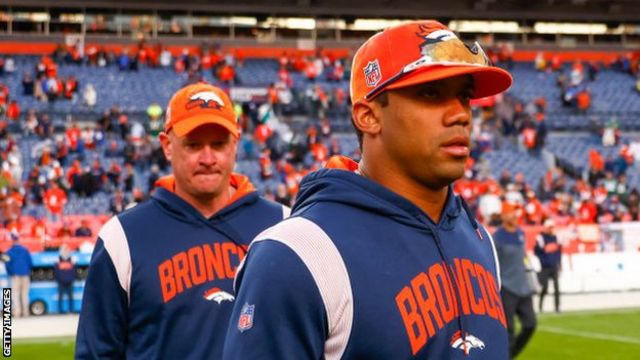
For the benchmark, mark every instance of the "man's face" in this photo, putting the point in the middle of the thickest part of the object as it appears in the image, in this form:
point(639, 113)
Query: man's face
point(426, 130)
point(510, 218)
point(202, 161)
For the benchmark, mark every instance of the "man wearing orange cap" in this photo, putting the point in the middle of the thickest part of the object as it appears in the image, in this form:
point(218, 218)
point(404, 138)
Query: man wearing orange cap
point(160, 279)
point(381, 259)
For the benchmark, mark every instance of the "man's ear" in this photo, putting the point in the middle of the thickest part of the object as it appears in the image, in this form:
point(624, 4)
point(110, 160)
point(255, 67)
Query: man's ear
point(166, 142)
point(366, 117)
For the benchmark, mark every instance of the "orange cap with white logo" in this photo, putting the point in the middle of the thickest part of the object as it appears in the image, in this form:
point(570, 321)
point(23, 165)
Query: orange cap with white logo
point(417, 52)
point(200, 104)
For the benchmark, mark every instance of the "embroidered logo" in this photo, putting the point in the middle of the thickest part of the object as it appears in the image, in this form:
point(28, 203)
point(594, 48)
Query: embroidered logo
point(372, 73)
point(205, 100)
point(469, 342)
point(218, 295)
point(245, 322)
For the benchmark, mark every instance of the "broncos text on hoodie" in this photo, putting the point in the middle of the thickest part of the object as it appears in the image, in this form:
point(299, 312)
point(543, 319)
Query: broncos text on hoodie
point(160, 281)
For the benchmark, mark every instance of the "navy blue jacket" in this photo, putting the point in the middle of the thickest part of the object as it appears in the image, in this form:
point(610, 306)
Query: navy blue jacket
point(359, 272)
point(19, 262)
point(551, 259)
point(64, 271)
point(160, 282)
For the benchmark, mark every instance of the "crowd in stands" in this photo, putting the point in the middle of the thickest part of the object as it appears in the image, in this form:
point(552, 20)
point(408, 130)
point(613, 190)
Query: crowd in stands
point(110, 155)
point(600, 194)
point(609, 200)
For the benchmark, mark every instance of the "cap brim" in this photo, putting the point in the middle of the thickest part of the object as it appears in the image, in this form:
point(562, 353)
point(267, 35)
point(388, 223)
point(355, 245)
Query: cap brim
point(185, 126)
point(488, 80)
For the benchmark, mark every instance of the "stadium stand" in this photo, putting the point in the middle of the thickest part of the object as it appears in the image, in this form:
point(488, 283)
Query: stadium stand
point(539, 131)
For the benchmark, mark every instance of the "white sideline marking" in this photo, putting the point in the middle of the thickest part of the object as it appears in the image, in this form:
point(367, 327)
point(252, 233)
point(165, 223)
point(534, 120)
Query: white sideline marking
point(591, 335)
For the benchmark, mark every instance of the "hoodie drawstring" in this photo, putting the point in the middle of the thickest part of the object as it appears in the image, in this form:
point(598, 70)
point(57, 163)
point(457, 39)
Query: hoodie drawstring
point(452, 280)
point(227, 231)
point(472, 219)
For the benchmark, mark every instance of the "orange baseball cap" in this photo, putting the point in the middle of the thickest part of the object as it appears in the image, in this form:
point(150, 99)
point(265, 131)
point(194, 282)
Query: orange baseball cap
point(417, 52)
point(509, 207)
point(200, 104)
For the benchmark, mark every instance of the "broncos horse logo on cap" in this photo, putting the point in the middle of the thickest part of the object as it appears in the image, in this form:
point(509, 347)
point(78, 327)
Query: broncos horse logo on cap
point(436, 36)
point(441, 46)
point(205, 100)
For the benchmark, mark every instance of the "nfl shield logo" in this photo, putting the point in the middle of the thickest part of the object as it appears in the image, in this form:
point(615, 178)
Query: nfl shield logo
point(245, 322)
point(372, 73)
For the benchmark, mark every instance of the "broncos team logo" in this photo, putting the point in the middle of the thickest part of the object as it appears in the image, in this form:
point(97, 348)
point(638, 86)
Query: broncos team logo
point(205, 100)
point(469, 342)
point(442, 46)
point(435, 36)
point(218, 295)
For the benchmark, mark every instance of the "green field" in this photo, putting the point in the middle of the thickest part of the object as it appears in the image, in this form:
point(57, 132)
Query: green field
point(49, 349)
point(586, 335)
point(577, 335)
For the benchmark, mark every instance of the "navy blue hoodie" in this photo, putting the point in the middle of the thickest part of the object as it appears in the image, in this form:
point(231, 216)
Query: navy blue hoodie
point(548, 258)
point(160, 282)
point(64, 271)
point(359, 272)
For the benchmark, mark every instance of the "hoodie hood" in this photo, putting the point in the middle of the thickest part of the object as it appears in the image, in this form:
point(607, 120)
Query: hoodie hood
point(339, 182)
point(240, 183)
point(245, 194)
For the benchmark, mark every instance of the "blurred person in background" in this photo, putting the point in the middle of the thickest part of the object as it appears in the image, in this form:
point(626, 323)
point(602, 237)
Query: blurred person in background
point(64, 272)
point(89, 96)
point(27, 84)
point(55, 200)
point(83, 230)
point(282, 195)
point(19, 264)
point(549, 252)
point(517, 292)
point(117, 203)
